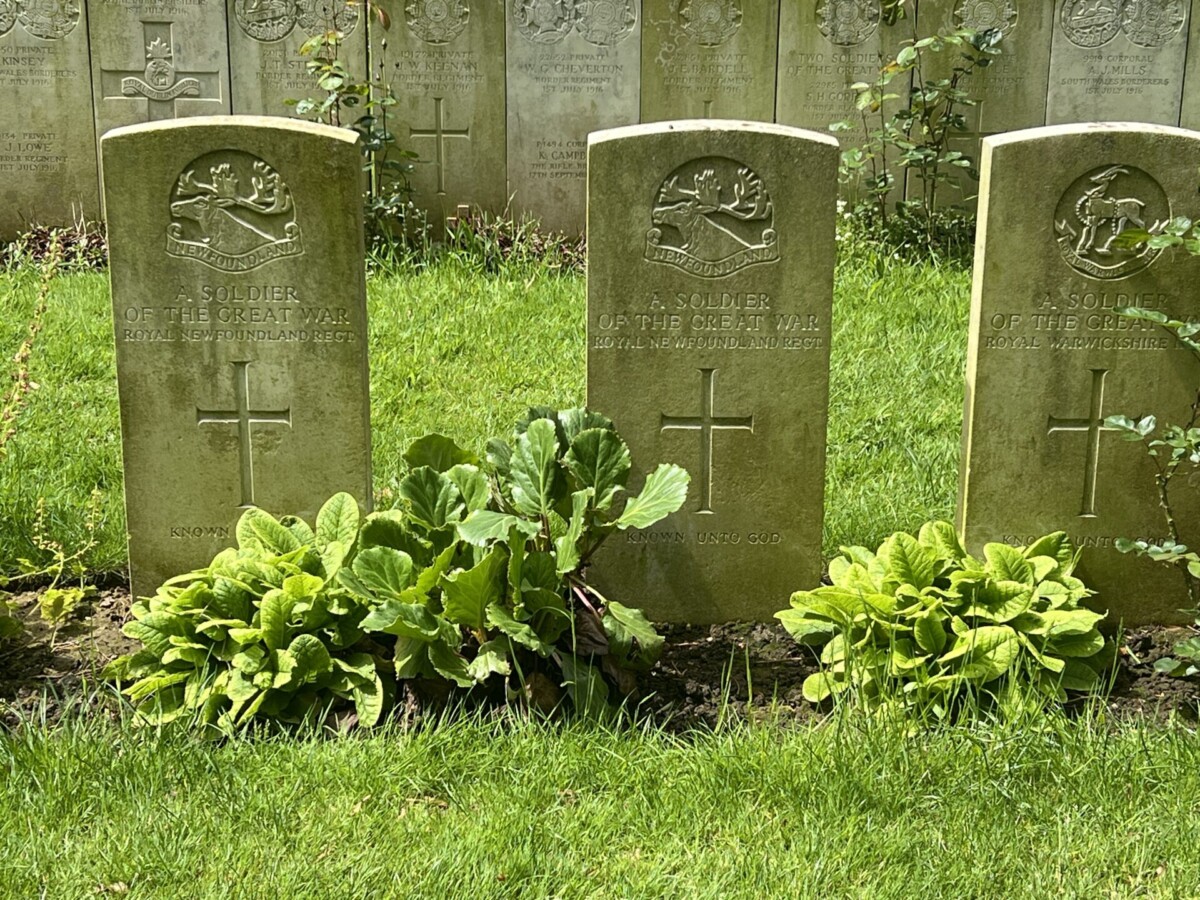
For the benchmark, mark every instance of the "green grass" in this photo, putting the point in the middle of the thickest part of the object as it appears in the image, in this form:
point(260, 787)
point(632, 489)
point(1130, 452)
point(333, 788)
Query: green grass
point(470, 809)
point(464, 354)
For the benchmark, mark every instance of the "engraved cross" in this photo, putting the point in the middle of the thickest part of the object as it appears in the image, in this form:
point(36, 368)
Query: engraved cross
point(706, 423)
point(160, 83)
point(244, 417)
point(1092, 426)
point(708, 105)
point(441, 134)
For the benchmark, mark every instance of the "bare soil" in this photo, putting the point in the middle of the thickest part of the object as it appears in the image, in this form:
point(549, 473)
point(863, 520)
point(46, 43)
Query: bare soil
point(708, 673)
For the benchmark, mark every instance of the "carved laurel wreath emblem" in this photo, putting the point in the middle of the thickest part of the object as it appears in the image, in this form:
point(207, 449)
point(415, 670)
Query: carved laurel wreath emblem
point(710, 23)
point(981, 15)
point(848, 22)
point(273, 20)
point(604, 23)
point(437, 21)
point(1147, 23)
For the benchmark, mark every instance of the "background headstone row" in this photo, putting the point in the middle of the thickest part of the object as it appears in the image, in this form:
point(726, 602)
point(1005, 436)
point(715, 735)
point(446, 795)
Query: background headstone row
point(498, 96)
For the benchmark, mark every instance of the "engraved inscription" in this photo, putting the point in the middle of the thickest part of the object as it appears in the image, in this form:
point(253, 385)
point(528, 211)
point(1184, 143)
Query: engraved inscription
point(437, 21)
point(848, 22)
point(1093, 426)
point(50, 20)
point(1095, 211)
point(709, 23)
point(244, 418)
point(1147, 23)
point(440, 133)
point(985, 15)
point(712, 217)
point(160, 83)
point(706, 424)
point(238, 219)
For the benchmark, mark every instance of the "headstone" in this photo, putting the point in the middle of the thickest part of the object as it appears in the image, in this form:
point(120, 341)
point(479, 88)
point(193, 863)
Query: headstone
point(239, 304)
point(1189, 116)
point(710, 283)
point(1049, 358)
point(47, 139)
point(573, 68)
point(825, 46)
point(1118, 60)
point(158, 60)
point(445, 65)
point(1011, 90)
point(709, 59)
point(265, 37)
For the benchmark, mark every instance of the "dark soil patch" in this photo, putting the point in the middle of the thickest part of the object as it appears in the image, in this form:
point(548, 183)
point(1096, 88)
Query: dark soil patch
point(706, 675)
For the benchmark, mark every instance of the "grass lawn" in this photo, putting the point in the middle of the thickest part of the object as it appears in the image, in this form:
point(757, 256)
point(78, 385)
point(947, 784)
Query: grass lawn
point(462, 354)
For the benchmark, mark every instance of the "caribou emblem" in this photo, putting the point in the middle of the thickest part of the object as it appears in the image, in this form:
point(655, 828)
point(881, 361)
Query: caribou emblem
point(1104, 213)
point(712, 217)
point(226, 227)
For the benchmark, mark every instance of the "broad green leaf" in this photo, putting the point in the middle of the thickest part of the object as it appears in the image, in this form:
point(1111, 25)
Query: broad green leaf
point(338, 520)
point(492, 659)
point(359, 666)
point(586, 688)
point(985, 653)
point(942, 539)
point(1052, 663)
point(468, 593)
point(432, 574)
point(806, 630)
point(820, 686)
point(312, 657)
point(907, 561)
point(384, 571)
point(140, 690)
point(433, 499)
point(567, 546)
point(437, 452)
point(1057, 546)
point(302, 587)
point(390, 528)
point(599, 460)
point(472, 484)
point(405, 620)
point(483, 527)
point(299, 528)
point(929, 632)
point(1079, 676)
point(273, 615)
point(573, 422)
point(154, 630)
point(546, 612)
point(625, 626)
point(1076, 645)
point(369, 702)
point(536, 476)
point(500, 618)
point(1007, 563)
point(259, 530)
point(449, 664)
point(664, 493)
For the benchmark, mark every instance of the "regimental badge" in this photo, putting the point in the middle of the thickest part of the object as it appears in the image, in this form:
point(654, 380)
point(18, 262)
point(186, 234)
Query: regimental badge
point(711, 218)
point(987, 15)
point(320, 16)
point(1097, 209)
point(1153, 23)
point(8, 15)
point(710, 23)
point(605, 23)
point(544, 21)
point(266, 20)
point(437, 21)
point(848, 22)
point(49, 20)
point(232, 212)
point(1090, 23)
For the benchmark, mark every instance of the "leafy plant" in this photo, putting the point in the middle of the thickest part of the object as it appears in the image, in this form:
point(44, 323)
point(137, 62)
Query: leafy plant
point(911, 131)
point(480, 571)
point(1175, 451)
point(922, 625)
point(361, 103)
point(265, 631)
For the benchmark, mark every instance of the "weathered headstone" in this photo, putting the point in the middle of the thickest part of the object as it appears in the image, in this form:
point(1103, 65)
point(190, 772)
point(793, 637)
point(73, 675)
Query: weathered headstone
point(265, 37)
point(1189, 116)
point(710, 282)
point(1049, 358)
point(573, 68)
point(1011, 90)
point(158, 60)
point(445, 64)
point(825, 46)
point(709, 59)
point(47, 139)
point(1118, 60)
point(239, 305)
